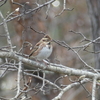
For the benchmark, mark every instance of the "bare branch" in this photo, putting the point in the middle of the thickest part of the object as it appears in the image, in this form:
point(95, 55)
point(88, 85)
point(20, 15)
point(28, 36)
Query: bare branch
point(37, 31)
point(67, 88)
point(7, 32)
point(47, 12)
point(26, 86)
point(66, 45)
point(49, 82)
point(52, 67)
point(18, 80)
point(43, 84)
point(64, 9)
point(94, 88)
point(32, 10)
point(3, 3)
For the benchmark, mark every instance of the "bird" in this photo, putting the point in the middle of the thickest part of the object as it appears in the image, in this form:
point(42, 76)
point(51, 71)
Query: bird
point(43, 49)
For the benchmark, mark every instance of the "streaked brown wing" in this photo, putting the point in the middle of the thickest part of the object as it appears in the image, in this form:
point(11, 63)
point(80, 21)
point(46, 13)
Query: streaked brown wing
point(36, 49)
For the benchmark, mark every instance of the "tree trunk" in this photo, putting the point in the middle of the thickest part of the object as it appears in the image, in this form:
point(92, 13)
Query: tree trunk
point(94, 10)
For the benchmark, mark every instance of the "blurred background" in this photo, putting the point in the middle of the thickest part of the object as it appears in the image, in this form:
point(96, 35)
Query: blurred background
point(58, 27)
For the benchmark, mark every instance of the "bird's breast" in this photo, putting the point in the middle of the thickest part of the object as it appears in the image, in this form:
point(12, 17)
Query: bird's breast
point(44, 53)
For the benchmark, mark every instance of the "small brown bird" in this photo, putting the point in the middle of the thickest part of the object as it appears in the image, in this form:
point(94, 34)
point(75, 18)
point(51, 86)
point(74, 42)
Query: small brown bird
point(43, 49)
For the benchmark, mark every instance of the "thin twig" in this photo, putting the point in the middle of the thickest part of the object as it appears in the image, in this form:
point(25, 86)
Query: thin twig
point(43, 84)
point(25, 87)
point(58, 97)
point(32, 10)
point(80, 57)
point(64, 9)
point(49, 82)
point(18, 80)
point(47, 12)
point(3, 3)
point(7, 32)
point(89, 94)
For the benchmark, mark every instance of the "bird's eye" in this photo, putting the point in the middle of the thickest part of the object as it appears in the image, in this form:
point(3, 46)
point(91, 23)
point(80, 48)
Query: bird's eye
point(49, 43)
